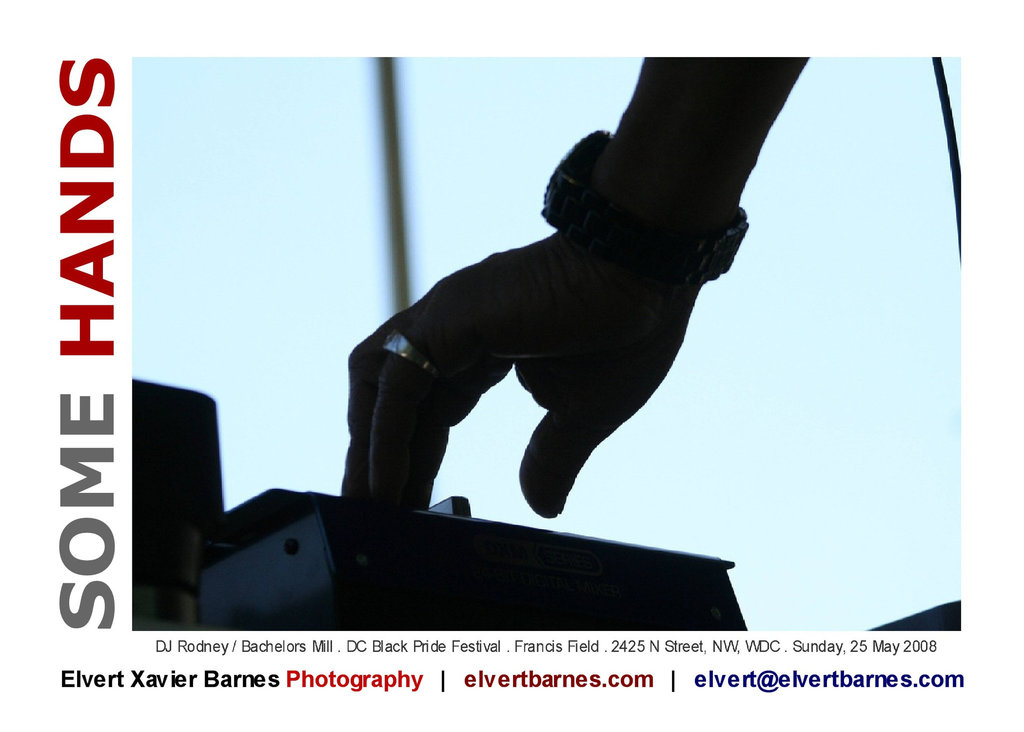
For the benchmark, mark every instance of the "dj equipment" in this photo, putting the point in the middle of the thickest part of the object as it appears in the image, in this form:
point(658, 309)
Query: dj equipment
point(289, 561)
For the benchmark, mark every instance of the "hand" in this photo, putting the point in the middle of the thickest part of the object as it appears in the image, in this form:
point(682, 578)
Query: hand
point(589, 340)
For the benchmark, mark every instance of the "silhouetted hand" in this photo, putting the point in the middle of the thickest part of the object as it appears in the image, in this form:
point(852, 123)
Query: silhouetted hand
point(589, 340)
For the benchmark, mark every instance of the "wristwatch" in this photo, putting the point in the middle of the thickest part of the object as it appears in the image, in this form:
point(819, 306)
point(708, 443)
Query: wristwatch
point(590, 221)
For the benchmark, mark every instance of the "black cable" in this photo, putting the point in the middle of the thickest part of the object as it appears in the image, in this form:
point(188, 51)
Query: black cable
point(954, 155)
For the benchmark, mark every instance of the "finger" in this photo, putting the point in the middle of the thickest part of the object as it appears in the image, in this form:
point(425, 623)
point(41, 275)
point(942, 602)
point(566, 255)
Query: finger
point(556, 454)
point(364, 366)
point(401, 389)
point(426, 451)
point(361, 400)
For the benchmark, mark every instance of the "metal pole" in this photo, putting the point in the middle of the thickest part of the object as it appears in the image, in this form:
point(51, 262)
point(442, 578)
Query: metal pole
point(393, 178)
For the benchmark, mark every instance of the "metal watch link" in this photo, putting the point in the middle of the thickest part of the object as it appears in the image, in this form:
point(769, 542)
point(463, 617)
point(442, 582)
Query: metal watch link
point(590, 221)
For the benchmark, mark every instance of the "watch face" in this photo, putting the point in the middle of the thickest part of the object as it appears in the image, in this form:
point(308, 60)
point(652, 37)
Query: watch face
point(579, 163)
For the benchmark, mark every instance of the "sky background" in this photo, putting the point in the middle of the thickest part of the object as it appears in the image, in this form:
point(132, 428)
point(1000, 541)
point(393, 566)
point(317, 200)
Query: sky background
point(810, 428)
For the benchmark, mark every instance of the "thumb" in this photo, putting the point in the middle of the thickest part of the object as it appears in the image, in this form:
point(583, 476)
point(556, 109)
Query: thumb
point(556, 454)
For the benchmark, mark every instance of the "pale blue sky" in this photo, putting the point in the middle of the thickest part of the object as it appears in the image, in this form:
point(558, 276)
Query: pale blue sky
point(810, 429)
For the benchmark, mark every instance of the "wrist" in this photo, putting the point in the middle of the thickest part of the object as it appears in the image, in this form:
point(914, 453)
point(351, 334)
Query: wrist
point(667, 192)
point(589, 220)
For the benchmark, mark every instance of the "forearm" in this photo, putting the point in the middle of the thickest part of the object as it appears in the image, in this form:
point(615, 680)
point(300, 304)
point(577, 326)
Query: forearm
point(690, 137)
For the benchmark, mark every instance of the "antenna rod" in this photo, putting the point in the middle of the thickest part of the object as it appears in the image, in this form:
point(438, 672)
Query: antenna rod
point(393, 178)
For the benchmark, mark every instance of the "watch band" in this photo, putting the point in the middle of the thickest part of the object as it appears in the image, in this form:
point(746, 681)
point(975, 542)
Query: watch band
point(588, 220)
